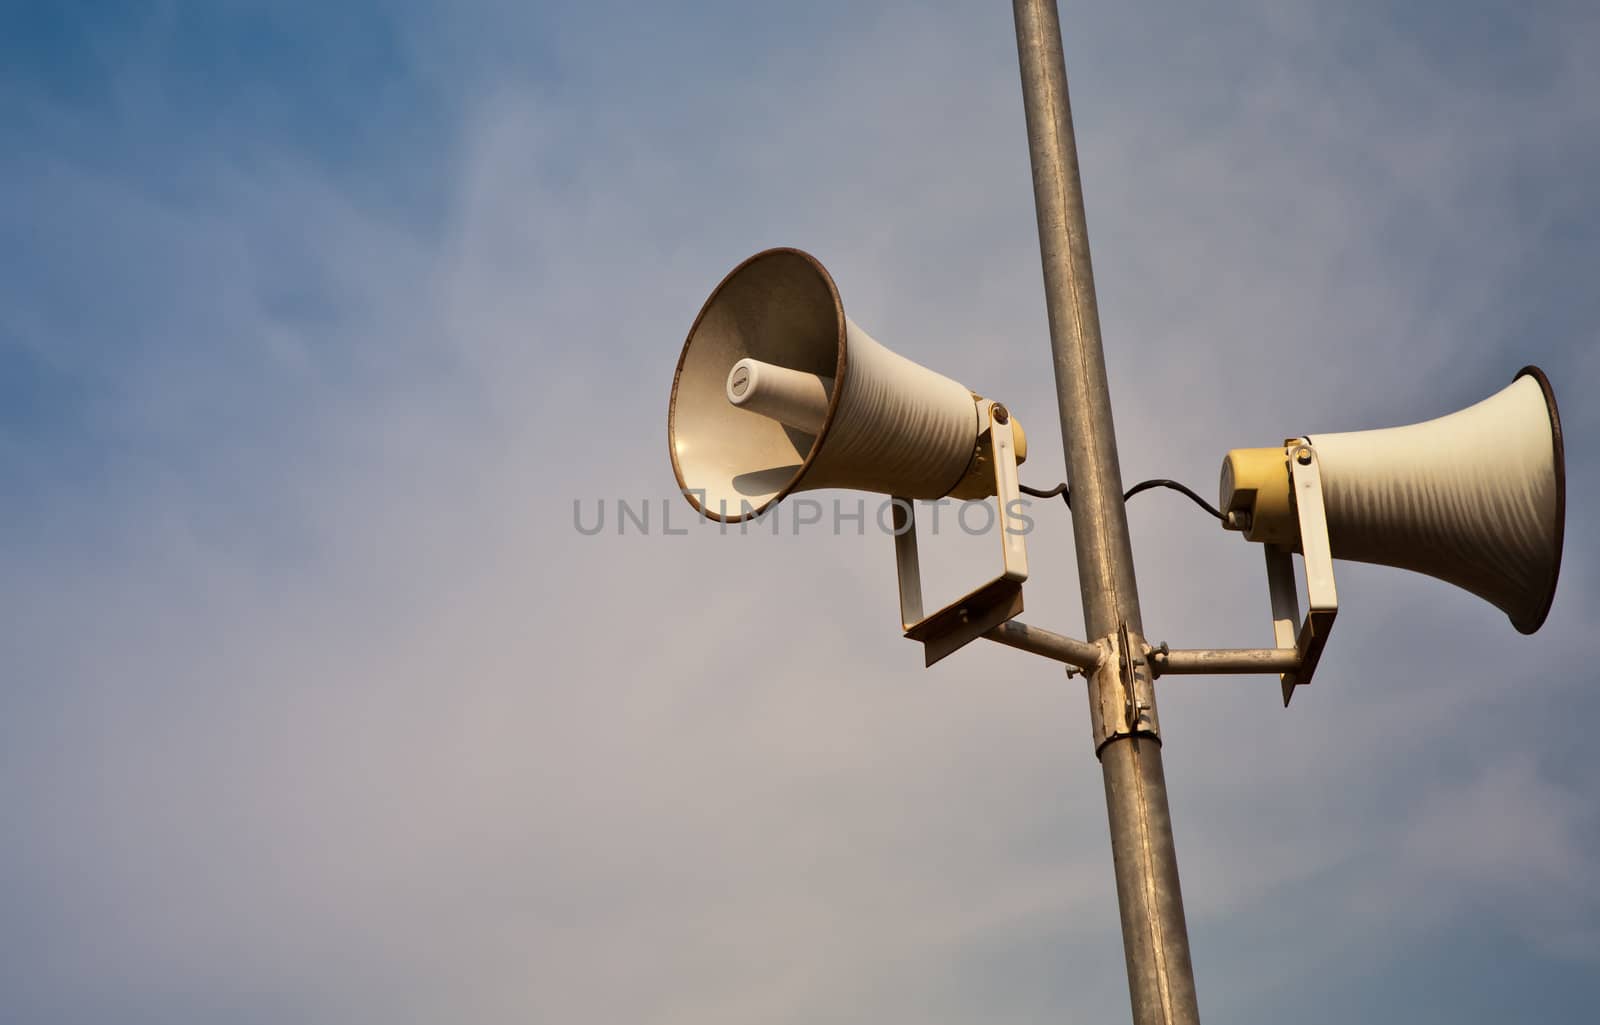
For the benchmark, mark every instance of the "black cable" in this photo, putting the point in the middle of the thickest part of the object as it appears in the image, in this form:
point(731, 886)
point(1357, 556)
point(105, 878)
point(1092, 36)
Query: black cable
point(1162, 482)
point(1144, 485)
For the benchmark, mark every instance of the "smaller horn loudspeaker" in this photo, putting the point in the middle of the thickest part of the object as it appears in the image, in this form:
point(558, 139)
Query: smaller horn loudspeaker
point(778, 391)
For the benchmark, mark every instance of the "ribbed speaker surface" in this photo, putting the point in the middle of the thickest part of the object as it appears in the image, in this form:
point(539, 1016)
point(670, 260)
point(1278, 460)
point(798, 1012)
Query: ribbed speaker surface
point(1476, 498)
point(892, 425)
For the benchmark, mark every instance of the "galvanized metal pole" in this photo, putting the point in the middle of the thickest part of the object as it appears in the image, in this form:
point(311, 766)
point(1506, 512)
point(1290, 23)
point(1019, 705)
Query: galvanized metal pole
point(1121, 693)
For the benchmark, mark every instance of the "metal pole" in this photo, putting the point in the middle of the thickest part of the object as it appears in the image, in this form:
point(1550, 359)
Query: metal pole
point(1121, 693)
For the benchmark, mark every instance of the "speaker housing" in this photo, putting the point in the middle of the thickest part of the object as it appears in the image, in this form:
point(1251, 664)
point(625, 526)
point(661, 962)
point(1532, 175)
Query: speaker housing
point(891, 426)
point(1476, 498)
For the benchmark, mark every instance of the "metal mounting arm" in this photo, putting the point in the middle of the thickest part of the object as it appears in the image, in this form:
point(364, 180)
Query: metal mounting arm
point(1083, 655)
point(982, 610)
point(1299, 642)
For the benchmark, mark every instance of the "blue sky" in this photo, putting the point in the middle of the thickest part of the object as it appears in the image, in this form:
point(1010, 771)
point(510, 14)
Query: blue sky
point(315, 322)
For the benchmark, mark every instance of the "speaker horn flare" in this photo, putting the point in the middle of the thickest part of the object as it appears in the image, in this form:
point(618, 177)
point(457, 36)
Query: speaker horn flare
point(1476, 498)
point(778, 391)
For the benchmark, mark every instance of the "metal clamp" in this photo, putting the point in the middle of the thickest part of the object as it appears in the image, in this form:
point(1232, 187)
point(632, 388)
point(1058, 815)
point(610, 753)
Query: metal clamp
point(1122, 700)
point(975, 614)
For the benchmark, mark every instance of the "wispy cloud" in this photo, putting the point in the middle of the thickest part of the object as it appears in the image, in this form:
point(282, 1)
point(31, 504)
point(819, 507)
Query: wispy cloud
point(317, 706)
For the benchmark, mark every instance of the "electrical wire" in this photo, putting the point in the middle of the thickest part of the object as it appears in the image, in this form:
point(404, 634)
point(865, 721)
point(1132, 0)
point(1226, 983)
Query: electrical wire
point(1144, 485)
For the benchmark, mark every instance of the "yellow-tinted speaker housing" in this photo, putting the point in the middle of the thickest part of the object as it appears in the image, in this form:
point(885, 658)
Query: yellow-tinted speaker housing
point(1257, 497)
point(979, 479)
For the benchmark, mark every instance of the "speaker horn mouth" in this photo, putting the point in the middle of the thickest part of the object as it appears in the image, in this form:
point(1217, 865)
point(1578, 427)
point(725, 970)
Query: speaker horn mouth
point(1533, 623)
point(748, 305)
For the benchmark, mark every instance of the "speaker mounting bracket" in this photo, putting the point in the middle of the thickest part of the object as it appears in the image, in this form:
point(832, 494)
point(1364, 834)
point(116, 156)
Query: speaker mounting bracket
point(1299, 641)
point(1322, 598)
point(980, 611)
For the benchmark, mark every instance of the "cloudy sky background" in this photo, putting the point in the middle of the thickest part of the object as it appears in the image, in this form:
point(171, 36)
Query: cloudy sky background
point(315, 323)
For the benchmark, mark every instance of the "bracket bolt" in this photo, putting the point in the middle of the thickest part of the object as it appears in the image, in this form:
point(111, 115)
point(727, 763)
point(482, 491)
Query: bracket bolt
point(1303, 454)
point(1000, 414)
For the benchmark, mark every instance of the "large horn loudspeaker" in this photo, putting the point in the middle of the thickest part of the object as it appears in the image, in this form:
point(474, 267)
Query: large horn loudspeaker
point(1476, 498)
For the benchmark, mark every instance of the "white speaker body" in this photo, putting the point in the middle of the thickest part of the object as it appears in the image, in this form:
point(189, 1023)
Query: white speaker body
point(1476, 498)
point(891, 426)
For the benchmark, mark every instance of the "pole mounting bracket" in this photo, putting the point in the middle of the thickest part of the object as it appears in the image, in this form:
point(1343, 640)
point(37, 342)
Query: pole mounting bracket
point(1322, 598)
point(986, 608)
point(1299, 641)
